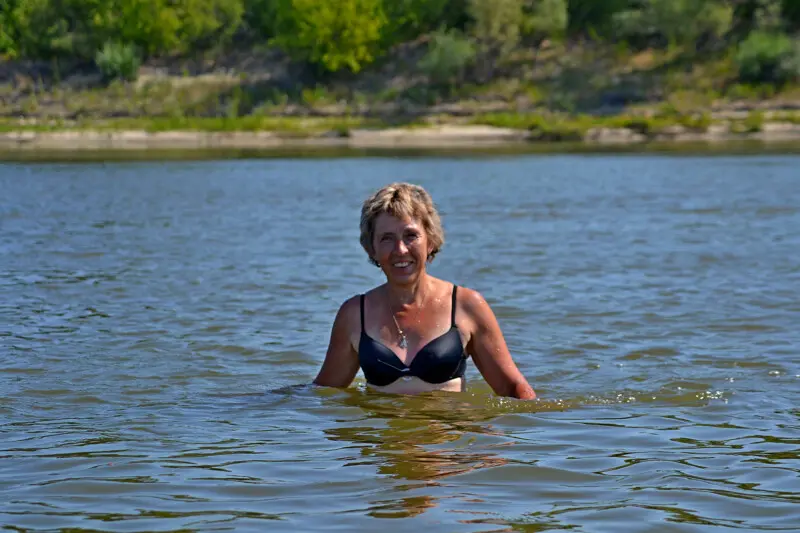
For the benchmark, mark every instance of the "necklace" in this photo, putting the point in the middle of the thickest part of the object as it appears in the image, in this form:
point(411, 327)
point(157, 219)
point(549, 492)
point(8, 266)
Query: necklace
point(403, 338)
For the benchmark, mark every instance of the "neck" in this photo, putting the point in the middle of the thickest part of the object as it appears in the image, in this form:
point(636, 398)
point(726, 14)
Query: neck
point(414, 293)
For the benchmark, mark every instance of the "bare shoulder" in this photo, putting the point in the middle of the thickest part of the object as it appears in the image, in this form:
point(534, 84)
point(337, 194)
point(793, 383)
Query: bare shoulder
point(472, 302)
point(340, 365)
point(349, 313)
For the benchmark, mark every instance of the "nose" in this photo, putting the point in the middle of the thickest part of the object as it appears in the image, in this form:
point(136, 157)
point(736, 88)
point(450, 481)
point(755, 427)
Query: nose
point(400, 247)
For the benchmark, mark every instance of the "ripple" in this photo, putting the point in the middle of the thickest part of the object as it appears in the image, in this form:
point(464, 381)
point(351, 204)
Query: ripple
point(161, 322)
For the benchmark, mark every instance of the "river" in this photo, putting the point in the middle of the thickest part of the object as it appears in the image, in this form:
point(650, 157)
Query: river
point(160, 322)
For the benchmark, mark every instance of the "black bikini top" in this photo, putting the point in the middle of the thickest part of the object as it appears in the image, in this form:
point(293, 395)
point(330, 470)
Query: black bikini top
point(439, 361)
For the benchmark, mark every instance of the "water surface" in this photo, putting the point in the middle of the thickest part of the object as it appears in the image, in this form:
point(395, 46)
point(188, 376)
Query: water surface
point(158, 322)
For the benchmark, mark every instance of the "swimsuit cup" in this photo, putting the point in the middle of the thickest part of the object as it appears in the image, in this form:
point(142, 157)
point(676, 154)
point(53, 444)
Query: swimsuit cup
point(439, 361)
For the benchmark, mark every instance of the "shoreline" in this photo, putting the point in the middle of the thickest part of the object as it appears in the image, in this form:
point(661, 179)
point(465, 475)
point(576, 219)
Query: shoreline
point(416, 138)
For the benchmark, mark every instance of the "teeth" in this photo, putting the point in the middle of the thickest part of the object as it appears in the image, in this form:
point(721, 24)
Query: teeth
point(402, 264)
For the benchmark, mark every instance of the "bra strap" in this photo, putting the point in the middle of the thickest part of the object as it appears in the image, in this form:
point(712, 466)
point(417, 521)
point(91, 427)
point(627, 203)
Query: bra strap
point(453, 312)
point(362, 312)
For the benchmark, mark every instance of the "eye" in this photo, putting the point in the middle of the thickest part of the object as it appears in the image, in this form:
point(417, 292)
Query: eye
point(386, 238)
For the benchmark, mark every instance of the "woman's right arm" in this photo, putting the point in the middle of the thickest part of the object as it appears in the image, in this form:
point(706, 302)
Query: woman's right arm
point(341, 361)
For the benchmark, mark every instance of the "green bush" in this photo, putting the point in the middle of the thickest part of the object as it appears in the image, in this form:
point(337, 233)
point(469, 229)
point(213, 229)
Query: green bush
point(48, 28)
point(77, 28)
point(496, 23)
point(768, 58)
point(752, 15)
point(791, 14)
point(118, 61)
point(9, 34)
point(408, 19)
point(594, 17)
point(259, 18)
point(206, 23)
point(449, 54)
point(676, 22)
point(161, 27)
point(754, 122)
point(544, 19)
point(331, 35)
point(496, 30)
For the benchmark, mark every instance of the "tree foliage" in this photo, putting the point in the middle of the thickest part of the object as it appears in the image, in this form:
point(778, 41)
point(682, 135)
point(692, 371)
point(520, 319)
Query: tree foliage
point(408, 19)
point(791, 14)
point(447, 58)
point(331, 35)
point(593, 17)
point(347, 35)
point(766, 57)
point(496, 30)
point(677, 22)
point(544, 19)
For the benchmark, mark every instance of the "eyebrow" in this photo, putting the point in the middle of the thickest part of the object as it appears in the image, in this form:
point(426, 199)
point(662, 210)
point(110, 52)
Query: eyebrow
point(407, 229)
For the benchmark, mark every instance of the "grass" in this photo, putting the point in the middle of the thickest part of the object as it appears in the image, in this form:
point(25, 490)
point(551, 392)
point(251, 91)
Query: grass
point(285, 125)
point(558, 94)
point(573, 127)
point(545, 127)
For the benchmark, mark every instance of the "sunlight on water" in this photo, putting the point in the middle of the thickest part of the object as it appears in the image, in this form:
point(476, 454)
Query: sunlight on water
point(160, 323)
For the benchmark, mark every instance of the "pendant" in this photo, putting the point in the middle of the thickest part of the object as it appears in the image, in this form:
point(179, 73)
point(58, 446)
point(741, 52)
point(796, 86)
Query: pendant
point(403, 342)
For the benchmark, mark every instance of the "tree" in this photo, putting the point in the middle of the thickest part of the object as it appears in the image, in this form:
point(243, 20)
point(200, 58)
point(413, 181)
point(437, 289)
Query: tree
point(169, 26)
point(330, 35)
point(791, 14)
point(544, 19)
point(408, 19)
point(675, 22)
point(751, 15)
point(47, 28)
point(496, 29)
point(448, 56)
point(594, 17)
point(9, 34)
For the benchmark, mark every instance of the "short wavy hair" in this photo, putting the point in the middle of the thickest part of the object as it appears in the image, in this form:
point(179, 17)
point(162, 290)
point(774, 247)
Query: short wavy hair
point(401, 200)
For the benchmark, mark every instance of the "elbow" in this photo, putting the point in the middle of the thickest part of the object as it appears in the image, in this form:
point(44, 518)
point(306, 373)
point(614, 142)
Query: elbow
point(520, 390)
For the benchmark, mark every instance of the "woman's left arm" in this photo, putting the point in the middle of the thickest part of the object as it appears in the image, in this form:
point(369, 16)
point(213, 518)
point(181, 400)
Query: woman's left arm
point(488, 349)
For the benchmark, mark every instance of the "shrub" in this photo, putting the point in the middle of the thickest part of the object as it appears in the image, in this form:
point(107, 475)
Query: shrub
point(331, 35)
point(205, 23)
point(767, 57)
point(48, 28)
point(118, 61)
point(8, 31)
point(754, 122)
point(170, 26)
point(594, 17)
point(680, 22)
point(448, 56)
point(791, 13)
point(496, 29)
point(408, 19)
point(544, 19)
point(259, 17)
point(496, 23)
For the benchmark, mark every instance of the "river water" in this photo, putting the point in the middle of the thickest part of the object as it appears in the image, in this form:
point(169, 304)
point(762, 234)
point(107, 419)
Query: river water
point(159, 322)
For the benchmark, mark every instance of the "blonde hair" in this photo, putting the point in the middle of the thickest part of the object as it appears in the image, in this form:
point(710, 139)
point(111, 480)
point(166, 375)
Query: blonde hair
point(401, 200)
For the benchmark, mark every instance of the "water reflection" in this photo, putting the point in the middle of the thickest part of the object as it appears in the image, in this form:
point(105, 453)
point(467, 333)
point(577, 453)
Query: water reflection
point(146, 308)
point(419, 441)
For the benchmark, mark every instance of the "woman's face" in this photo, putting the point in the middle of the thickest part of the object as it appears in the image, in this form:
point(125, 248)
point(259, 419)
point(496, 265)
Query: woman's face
point(401, 247)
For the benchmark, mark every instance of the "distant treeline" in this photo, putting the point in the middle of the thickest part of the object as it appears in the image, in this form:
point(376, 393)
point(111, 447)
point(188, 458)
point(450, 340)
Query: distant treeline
point(337, 35)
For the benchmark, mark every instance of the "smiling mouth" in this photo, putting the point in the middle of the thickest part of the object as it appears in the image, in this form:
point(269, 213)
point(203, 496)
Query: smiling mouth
point(401, 264)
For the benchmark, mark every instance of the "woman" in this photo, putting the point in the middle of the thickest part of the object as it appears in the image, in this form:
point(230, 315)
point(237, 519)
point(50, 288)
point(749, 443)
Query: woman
point(414, 333)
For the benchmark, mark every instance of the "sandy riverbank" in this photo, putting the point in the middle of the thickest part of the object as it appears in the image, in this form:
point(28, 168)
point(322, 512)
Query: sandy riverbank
point(445, 136)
